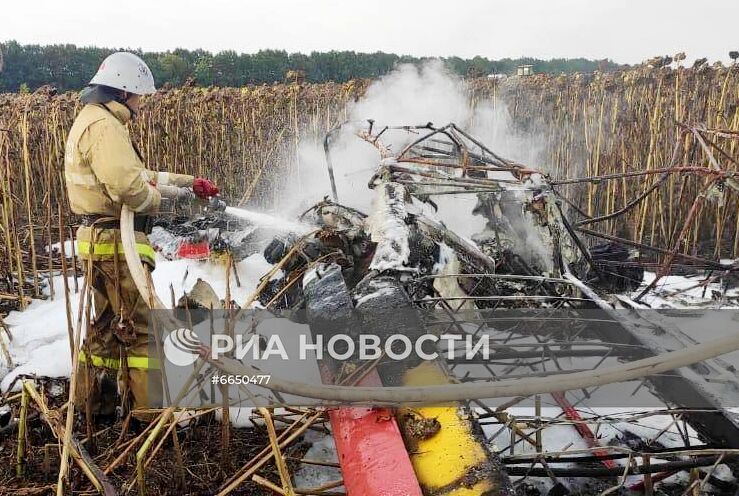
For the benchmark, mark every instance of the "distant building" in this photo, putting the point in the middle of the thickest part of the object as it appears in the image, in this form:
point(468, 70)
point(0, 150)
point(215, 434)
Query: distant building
point(295, 76)
point(525, 70)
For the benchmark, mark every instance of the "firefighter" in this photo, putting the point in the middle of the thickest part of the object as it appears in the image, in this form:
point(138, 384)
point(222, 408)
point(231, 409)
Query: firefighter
point(103, 171)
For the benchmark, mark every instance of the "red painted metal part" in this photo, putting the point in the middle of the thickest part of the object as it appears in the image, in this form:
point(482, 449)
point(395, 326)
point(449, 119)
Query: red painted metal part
point(660, 476)
point(195, 251)
point(372, 455)
point(583, 429)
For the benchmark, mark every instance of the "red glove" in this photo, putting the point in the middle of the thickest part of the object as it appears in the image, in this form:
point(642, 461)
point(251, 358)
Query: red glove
point(204, 189)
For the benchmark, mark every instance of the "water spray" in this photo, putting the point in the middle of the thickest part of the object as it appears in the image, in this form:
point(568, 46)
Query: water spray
point(261, 219)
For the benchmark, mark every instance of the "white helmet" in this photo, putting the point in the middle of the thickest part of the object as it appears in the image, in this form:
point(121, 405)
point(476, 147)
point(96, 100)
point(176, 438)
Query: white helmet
point(125, 71)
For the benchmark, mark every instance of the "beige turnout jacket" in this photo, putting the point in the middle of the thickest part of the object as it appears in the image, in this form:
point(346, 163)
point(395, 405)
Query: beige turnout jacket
point(103, 171)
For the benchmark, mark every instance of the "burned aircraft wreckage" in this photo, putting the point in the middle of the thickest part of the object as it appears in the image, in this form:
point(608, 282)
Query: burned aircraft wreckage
point(527, 278)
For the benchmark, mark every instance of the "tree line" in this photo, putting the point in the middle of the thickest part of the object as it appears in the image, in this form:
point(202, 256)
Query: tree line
point(69, 67)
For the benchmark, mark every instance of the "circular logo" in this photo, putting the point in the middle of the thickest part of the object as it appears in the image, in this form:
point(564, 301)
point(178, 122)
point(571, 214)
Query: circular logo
point(181, 347)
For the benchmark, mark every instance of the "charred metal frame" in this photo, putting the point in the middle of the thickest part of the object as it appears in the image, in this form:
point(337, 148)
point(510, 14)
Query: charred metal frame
point(715, 424)
point(475, 162)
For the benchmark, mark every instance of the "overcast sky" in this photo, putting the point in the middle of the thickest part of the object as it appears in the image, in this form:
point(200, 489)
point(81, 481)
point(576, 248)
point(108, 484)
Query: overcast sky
point(626, 31)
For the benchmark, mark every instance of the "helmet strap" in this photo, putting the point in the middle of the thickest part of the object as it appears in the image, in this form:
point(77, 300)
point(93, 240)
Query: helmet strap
point(124, 101)
point(133, 114)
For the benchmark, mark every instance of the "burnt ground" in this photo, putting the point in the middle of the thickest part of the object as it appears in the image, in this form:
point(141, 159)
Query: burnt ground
point(205, 469)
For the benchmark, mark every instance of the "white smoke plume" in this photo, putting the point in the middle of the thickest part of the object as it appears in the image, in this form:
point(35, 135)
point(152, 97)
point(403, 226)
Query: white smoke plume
point(415, 95)
point(410, 95)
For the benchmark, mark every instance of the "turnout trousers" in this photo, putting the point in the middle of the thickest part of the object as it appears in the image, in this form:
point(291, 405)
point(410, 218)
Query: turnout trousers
point(115, 366)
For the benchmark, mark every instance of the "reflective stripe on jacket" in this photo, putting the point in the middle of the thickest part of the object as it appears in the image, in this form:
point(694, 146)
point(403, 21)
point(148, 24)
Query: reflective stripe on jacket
point(106, 244)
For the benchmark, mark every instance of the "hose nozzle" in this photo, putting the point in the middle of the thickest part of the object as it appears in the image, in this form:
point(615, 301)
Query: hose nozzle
point(216, 204)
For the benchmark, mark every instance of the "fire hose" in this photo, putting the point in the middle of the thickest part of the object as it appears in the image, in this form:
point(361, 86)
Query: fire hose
point(637, 369)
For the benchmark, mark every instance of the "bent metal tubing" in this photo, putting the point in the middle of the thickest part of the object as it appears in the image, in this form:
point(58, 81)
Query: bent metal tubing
point(450, 392)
